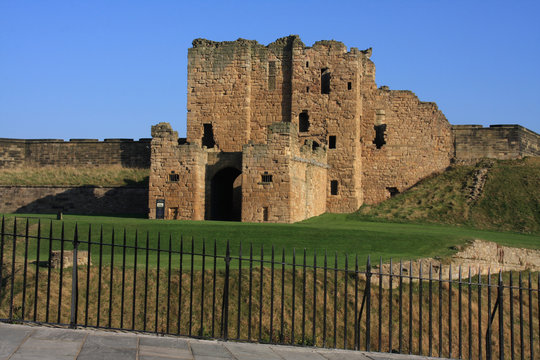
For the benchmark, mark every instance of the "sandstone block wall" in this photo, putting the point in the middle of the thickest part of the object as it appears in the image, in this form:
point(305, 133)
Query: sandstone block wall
point(502, 142)
point(76, 152)
point(87, 200)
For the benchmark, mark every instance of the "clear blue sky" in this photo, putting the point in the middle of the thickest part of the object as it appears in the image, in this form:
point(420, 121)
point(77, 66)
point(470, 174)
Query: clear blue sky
point(111, 68)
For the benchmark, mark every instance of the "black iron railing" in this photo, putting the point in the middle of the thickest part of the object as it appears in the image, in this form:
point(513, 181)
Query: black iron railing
point(132, 281)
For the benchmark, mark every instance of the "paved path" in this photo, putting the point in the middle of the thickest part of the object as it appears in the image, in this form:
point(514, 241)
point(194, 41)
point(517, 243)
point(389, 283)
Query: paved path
point(44, 343)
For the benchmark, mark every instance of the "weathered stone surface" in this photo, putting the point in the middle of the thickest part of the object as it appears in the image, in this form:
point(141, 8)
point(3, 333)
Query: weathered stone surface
point(56, 258)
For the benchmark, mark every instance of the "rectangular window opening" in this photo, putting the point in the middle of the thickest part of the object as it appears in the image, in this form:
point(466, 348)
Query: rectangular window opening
point(331, 142)
point(307, 89)
point(265, 213)
point(349, 85)
point(174, 177)
point(266, 177)
point(380, 131)
point(333, 187)
point(271, 75)
point(325, 81)
point(208, 136)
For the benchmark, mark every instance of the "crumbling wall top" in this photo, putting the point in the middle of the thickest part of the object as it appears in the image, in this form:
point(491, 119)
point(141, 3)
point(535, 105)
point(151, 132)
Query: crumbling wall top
point(164, 130)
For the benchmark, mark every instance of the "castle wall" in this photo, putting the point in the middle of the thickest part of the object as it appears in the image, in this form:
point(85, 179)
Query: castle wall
point(83, 200)
point(473, 142)
point(418, 142)
point(76, 152)
point(184, 194)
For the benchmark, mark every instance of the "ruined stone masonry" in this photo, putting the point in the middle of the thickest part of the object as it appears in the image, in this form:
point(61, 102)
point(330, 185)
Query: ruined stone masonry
point(284, 132)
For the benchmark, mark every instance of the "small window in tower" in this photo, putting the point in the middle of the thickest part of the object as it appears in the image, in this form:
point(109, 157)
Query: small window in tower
point(271, 75)
point(331, 142)
point(265, 213)
point(307, 64)
point(334, 187)
point(325, 81)
point(307, 89)
point(173, 177)
point(208, 136)
point(380, 131)
point(349, 85)
point(303, 121)
point(266, 177)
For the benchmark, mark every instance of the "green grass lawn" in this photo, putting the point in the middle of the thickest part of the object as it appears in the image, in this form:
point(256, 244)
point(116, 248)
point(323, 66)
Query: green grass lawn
point(334, 233)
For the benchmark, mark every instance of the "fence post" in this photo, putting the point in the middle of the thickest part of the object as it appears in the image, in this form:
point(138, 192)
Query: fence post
point(368, 303)
point(225, 315)
point(501, 311)
point(74, 281)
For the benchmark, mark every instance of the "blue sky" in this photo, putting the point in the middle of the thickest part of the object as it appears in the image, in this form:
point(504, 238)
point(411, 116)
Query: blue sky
point(111, 68)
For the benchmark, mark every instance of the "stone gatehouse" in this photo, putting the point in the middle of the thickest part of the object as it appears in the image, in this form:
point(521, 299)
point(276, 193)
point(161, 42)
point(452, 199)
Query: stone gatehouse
point(284, 132)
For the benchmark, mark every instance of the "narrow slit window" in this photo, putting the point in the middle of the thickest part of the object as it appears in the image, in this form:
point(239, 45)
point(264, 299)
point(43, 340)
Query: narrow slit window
point(325, 81)
point(266, 177)
point(173, 177)
point(271, 75)
point(333, 187)
point(307, 89)
point(303, 121)
point(331, 142)
point(307, 64)
point(265, 213)
point(349, 85)
point(380, 131)
point(208, 136)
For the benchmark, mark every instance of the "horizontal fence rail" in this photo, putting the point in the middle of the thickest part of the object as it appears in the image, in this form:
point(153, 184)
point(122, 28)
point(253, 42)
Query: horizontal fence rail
point(173, 285)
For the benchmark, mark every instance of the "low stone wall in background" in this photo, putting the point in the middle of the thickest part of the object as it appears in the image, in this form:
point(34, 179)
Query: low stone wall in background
point(84, 200)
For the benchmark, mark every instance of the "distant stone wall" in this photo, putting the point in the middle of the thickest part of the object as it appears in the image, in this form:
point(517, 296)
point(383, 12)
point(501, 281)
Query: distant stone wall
point(497, 142)
point(76, 152)
point(86, 200)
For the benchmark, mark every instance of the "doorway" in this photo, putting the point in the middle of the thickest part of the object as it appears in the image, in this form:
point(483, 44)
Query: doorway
point(226, 195)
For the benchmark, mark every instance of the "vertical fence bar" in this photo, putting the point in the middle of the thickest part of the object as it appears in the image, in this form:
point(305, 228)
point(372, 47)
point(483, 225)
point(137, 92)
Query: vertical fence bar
point(169, 285)
point(501, 318)
point(345, 302)
point(531, 325)
point(390, 306)
point(100, 267)
point(304, 300)
point(293, 294)
point(379, 349)
point(325, 289)
point(36, 281)
point(147, 254)
point(180, 273)
point(368, 304)
point(460, 312)
point(450, 311)
point(88, 263)
point(250, 290)
point(313, 339)
point(420, 314)
point(511, 297)
point(522, 351)
point(470, 315)
point(48, 273)
point(439, 353)
point(400, 306)
point(282, 295)
point(479, 313)
point(13, 259)
point(25, 268)
point(158, 255)
point(261, 293)
point(410, 306)
point(430, 315)
point(335, 297)
point(111, 278)
point(356, 322)
point(62, 239)
point(272, 296)
point(136, 251)
point(214, 286)
point(201, 326)
point(191, 287)
point(225, 318)
point(74, 281)
point(239, 291)
point(488, 334)
point(123, 290)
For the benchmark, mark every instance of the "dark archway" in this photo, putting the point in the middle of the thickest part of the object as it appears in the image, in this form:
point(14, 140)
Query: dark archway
point(226, 195)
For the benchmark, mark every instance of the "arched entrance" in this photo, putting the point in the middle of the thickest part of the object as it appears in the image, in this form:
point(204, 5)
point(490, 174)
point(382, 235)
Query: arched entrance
point(226, 195)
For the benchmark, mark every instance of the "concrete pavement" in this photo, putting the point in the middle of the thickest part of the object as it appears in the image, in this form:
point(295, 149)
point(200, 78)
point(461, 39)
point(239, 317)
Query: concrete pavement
point(44, 343)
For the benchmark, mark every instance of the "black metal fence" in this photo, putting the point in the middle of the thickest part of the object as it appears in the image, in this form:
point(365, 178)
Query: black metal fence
point(131, 281)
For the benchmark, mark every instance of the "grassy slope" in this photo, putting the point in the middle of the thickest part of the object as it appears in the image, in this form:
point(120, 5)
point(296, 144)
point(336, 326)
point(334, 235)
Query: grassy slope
point(510, 201)
point(75, 176)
